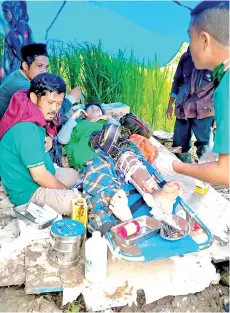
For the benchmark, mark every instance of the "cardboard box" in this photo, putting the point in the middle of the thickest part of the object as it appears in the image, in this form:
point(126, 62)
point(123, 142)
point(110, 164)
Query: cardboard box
point(117, 109)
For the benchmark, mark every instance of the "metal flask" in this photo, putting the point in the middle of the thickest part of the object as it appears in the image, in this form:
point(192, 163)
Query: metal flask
point(66, 238)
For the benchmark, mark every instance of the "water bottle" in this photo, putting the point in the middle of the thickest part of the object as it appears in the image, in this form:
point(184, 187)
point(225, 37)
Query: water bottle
point(208, 156)
point(96, 258)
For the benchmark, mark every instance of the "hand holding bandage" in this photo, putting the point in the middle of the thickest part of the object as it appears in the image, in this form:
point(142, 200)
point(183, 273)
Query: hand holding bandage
point(164, 163)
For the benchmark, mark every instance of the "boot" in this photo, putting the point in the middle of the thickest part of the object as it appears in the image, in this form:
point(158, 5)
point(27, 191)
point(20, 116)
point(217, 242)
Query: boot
point(185, 157)
point(201, 150)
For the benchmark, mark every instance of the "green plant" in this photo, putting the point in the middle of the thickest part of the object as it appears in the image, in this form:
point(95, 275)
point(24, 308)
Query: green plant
point(73, 308)
point(116, 77)
point(97, 74)
point(72, 64)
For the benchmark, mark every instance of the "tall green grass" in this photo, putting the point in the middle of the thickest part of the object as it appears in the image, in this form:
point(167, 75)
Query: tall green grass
point(116, 78)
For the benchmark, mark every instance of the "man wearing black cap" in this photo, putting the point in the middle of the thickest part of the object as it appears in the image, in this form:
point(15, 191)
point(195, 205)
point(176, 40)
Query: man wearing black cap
point(35, 60)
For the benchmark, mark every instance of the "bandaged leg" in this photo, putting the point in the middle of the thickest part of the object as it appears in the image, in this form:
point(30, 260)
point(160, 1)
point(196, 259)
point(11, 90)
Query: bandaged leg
point(161, 201)
point(119, 206)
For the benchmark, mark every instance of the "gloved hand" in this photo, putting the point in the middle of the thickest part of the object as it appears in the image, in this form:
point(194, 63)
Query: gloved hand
point(164, 163)
point(119, 206)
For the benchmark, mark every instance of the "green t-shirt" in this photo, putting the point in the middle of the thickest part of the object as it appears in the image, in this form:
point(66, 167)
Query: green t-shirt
point(14, 82)
point(221, 105)
point(22, 147)
point(78, 149)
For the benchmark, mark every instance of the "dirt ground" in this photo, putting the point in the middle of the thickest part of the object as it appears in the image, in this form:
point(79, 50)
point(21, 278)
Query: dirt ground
point(215, 298)
point(211, 299)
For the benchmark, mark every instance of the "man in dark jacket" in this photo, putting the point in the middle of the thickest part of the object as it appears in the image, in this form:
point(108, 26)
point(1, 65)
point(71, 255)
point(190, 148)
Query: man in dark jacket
point(209, 34)
point(192, 92)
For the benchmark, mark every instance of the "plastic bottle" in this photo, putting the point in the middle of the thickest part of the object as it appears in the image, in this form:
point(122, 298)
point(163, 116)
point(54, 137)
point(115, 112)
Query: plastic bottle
point(96, 258)
point(208, 156)
point(79, 210)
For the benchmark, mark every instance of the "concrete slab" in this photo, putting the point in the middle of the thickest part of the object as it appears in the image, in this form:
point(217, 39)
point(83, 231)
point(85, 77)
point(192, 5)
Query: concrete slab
point(180, 275)
point(12, 270)
point(73, 277)
point(15, 300)
point(41, 277)
point(177, 276)
point(9, 229)
point(5, 205)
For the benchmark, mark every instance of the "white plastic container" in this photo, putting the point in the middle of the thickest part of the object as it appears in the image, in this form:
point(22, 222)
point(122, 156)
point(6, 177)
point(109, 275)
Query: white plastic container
point(96, 258)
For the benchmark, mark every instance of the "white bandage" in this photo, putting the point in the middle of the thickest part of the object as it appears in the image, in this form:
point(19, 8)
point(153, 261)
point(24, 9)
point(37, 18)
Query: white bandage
point(119, 206)
point(129, 169)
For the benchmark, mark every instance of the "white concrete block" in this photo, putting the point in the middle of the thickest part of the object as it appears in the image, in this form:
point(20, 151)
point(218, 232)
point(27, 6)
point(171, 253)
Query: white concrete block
point(177, 276)
point(12, 270)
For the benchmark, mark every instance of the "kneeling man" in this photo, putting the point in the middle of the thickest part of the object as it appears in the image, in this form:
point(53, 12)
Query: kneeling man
point(26, 168)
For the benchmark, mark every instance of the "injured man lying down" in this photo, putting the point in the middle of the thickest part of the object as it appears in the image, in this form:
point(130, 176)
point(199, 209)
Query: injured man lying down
point(113, 169)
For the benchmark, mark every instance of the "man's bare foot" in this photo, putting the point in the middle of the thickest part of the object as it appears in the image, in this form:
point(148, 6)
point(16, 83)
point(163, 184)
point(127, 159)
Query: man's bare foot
point(167, 195)
point(119, 206)
point(161, 201)
point(170, 190)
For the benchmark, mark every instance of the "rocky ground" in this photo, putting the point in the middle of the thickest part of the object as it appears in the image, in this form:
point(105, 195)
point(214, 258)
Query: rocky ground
point(215, 298)
point(212, 299)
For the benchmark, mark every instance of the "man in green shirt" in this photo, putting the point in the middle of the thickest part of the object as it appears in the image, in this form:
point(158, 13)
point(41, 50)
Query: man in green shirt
point(35, 60)
point(209, 33)
point(26, 169)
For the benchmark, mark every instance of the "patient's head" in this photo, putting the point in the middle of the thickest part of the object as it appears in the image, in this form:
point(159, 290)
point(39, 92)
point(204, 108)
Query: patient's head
point(93, 110)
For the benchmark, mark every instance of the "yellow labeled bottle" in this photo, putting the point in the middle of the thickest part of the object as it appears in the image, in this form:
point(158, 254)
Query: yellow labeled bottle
point(79, 210)
point(201, 187)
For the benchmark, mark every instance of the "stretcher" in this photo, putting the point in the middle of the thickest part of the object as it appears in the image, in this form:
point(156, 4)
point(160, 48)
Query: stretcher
point(155, 247)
